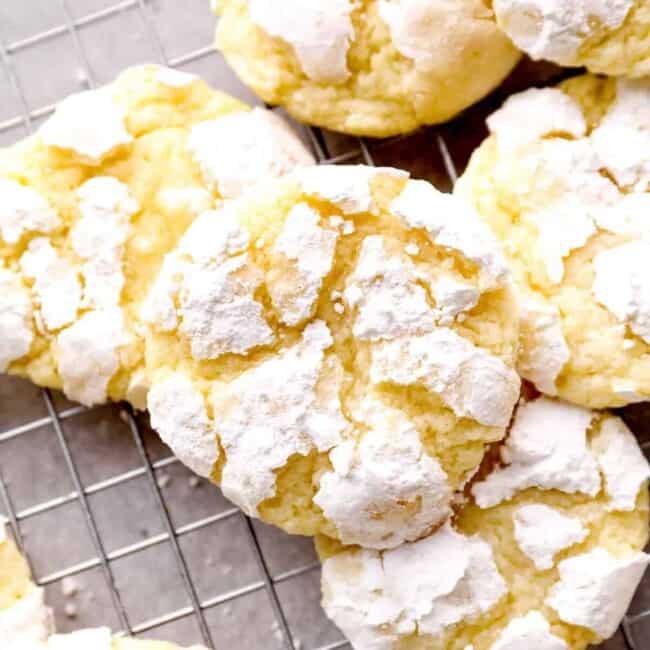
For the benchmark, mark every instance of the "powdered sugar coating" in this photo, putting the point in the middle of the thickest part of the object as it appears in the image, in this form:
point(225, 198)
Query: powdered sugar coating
point(622, 284)
point(219, 311)
point(453, 299)
point(241, 149)
point(179, 415)
point(387, 472)
point(625, 469)
point(347, 187)
point(16, 329)
point(310, 252)
point(90, 124)
point(56, 284)
point(99, 236)
point(429, 586)
point(88, 354)
point(579, 196)
point(24, 210)
point(320, 33)
point(547, 448)
point(534, 113)
point(159, 309)
point(384, 291)
point(469, 380)
point(478, 590)
point(274, 411)
point(453, 224)
point(556, 238)
point(213, 282)
point(595, 589)
point(542, 532)
point(554, 29)
point(624, 134)
point(546, 352)
point(529, 631)
point(353, 585)
point(628, 216)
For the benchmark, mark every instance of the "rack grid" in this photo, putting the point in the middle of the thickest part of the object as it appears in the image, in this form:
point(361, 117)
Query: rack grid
point(73, 22)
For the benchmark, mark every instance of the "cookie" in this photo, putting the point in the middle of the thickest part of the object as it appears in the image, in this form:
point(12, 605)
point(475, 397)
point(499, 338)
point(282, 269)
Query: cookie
point(366, 67)
point(564, 182)
point(93, 201)
point(336, 352)
point(26, 623)
point(546, 552)
point(607, 36)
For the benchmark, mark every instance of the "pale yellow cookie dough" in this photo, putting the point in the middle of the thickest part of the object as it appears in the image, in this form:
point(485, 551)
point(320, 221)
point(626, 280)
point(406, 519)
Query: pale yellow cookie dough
point(336, 352)
point(93, 201)
point(26, 623)
point(563, 181)
point(607, 36)
point(546, 554)
point(366, 67)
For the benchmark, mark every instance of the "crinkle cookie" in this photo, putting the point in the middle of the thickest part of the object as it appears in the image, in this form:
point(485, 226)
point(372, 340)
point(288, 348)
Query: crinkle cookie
point(26, 623)
point(545, 556)
point(93, 201)
point(607, 36)
point(366, 67)
point(336, 352)
point(564, 182)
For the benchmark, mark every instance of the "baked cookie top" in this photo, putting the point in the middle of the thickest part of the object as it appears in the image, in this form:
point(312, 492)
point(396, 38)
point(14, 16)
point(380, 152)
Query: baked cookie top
point(545, 554)
point(607, 36)
point(563, 181)
point(366, 67)
point(93, 201)
point(26, 623)
point(336, 352)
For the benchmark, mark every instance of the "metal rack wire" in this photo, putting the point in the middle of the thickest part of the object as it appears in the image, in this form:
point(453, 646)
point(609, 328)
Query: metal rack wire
point(57, 418)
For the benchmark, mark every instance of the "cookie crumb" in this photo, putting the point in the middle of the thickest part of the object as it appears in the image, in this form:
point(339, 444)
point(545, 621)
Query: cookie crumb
point(69, 587)
point(70, 610)
point(164, 480)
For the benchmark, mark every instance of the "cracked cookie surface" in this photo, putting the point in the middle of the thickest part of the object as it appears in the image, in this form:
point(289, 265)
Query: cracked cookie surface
point(336, 352)
point(545, 553)
point(563, 181)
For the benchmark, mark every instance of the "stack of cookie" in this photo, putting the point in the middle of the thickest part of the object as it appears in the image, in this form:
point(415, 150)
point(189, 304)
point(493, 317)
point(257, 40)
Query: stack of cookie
point(340, 348)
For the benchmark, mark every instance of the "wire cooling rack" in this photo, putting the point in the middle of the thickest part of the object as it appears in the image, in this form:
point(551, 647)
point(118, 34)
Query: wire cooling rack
point(115, 529)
